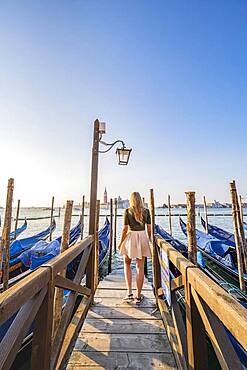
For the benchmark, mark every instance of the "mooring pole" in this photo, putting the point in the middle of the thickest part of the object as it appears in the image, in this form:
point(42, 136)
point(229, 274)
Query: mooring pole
point(205, 213)
point(82, 216)
point(111, 238)
point(155, 259)
point(93, 199)
point(191, 226)
point(96, 240)
point(17, 217)
point(64, 246)
point(236, 235)
point(145, 258)
point(241, 227)
point(115, 225)
point(51, 218)
point(170, 215)
point(59, 211)
point(241, 208)
point(5, 242)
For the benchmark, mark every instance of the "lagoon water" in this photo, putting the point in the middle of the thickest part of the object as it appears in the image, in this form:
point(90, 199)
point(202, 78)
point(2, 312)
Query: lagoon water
point(218, 217)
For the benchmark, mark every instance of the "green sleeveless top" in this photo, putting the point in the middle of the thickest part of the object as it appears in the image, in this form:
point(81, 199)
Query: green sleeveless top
point(129, 219)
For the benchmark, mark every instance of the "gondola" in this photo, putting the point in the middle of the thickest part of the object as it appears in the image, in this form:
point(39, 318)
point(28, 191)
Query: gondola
point(19, 230)
point(218, 233)
point(38, 259)
point(207, 268)
point(17, 247)
point(217, 251)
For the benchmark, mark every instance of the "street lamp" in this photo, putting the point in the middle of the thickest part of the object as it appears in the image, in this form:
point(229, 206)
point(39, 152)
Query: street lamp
point(123, 158)
point(123, 153)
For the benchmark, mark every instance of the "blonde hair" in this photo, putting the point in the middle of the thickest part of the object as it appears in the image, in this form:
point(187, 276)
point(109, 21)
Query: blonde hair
point(137, 207)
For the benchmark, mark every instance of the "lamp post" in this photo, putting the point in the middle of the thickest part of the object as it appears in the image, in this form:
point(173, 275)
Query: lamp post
point(123, 158)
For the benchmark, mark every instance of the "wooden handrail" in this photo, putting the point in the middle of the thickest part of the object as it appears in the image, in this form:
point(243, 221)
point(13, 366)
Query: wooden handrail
point(41, 283)
point(216, 308)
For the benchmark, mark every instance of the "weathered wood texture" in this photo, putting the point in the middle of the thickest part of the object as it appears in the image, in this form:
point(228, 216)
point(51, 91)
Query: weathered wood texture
point(111, 238)
point(205, 213)
point(235, 211)
point(191, 225)
point(51, 219)
point(64, 246)
point(115, 225)
point(17, 217)
point(5, 242)
point(82, 216)
point(209, 309)
point(120, 334)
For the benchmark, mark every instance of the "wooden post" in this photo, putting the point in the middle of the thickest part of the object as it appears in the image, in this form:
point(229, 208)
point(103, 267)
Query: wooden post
point(241, 208)
point(17, 217)
point(241, 227)
point(64, 245)
point(93, 198)
point(82, 216)
point(155, 259)
point(5, 242)
point(205, 213)
point(115, 225)
point(51, 219)
point(96, 241)
point(191, 226)
point(145, 258)
point(59, 211)
point(170, 215)
point(111, 238)
point(236, 235)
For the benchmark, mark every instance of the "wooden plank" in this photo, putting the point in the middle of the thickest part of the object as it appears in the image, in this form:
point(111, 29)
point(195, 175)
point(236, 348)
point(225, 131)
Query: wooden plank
point(172, 334)
point(72, 330)
point(124, 326)
point(122, 313)
point(17, 295)
point(148, 343)
point(121, 360)
point(196, 334)
point(100, 293)
point(62, 282)
point(118, 302)
point(121, 285)
point(68, 309)
point(110, 238)
point(42, 332)
point(225, 307)
point(223, 347)
point(58, 298)
point(18, 329)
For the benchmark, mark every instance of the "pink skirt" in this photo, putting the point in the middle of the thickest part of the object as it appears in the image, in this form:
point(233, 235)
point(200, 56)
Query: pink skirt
point(136, 245)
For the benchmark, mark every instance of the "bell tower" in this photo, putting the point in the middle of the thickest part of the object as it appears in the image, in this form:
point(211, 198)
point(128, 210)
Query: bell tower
point(105, 196)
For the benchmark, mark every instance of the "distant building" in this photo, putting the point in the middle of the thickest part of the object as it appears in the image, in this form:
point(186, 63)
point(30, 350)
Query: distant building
point(105, 204)
point(105, 197)
point(123, 203)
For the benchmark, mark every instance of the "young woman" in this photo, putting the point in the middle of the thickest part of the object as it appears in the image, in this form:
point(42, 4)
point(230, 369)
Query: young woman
point(134, 243)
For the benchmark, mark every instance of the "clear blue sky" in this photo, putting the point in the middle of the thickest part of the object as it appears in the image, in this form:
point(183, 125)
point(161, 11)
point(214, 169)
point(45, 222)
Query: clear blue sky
point(168, 77)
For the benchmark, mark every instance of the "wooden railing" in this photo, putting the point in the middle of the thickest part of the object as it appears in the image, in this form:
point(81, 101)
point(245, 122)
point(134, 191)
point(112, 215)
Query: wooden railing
point(29, 304)
point(208, 311)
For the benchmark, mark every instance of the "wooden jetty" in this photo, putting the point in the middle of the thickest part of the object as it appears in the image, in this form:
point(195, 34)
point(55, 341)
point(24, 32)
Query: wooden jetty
point(118, 334)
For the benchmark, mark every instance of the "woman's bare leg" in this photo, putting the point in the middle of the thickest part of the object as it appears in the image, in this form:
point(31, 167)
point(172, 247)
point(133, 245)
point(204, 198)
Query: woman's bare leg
point(128, 273)
point(139, 275)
